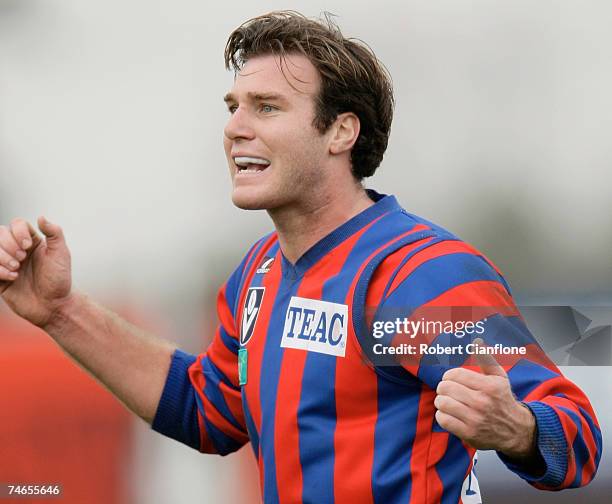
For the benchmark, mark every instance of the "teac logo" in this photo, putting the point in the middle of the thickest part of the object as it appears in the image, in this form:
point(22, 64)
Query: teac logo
point(252, 305)
point(316, 326)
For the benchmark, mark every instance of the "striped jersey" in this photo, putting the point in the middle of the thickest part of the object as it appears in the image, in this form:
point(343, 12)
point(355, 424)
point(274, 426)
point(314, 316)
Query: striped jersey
point(292, 369)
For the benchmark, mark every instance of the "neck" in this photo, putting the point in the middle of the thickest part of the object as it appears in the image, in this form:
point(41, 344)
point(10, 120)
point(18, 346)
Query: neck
point(300, 227)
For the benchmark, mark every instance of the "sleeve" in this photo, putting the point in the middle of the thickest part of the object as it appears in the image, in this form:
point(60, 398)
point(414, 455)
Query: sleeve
point(201, 404)
point(449, 282)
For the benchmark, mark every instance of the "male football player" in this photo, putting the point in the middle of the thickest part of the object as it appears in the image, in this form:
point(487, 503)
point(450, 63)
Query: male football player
point(291, 367)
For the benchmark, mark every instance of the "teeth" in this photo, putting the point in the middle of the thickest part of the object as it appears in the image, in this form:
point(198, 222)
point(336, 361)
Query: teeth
point(245, 161)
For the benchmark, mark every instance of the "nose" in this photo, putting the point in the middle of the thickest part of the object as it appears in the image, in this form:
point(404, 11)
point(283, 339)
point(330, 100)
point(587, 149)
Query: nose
point(239, 125)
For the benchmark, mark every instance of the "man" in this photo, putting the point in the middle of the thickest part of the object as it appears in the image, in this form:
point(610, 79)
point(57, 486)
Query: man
point(292, 367)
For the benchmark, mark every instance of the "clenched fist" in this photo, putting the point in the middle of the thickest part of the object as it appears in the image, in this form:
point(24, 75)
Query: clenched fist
point(35, 273)
point(481, 409)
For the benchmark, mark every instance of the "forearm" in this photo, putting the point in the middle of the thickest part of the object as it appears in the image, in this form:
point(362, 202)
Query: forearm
point(132, 364)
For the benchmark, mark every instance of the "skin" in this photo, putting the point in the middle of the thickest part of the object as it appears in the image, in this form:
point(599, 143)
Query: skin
point(133, 365)
point(308, 190)
point(480, 408)
point(280, 130)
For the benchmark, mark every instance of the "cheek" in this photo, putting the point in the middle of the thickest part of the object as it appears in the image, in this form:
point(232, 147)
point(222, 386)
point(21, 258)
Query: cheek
point(303, 142)
point(227, 145)
point(310, 150)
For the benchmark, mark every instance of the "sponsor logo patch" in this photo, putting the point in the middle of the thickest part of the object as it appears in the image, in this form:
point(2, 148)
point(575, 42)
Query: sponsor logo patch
point(316, 326)
point(252, 306)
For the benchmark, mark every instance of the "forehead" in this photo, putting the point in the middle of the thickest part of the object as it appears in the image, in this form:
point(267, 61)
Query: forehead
point(293, 76)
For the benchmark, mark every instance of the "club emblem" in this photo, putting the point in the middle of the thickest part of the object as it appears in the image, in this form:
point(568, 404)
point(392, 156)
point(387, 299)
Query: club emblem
point(252, 305)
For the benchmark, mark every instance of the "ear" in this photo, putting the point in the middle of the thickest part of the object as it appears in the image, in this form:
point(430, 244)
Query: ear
point(345, 132)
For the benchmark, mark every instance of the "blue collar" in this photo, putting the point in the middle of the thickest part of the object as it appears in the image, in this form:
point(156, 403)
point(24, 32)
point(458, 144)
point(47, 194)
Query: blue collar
point(382, 204)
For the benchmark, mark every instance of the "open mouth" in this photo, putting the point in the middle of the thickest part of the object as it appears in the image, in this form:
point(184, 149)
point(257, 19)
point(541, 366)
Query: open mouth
point(247, 164)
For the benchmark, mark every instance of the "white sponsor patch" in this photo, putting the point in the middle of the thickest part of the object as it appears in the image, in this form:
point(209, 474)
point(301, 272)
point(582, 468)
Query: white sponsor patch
point(470, 492)
point(316, 326)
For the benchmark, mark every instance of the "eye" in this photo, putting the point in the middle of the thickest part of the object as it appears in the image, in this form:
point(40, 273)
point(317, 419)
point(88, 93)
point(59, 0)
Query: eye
point(267, 108)
point(232, 108)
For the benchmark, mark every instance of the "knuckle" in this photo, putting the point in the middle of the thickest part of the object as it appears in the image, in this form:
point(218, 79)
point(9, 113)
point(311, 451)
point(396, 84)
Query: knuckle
point(483, 404)
point(452, 374)
point(5, 274)
point(486, 401)
point(495, 390)
point(6, 240)
point(442, 387)
point(18, 227)
point(462, 373)
point(478, 404)
point(501, 383)
point(498, 389)
point(487, 386)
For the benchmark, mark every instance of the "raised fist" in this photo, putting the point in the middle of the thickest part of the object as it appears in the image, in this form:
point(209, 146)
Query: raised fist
point(35, 273)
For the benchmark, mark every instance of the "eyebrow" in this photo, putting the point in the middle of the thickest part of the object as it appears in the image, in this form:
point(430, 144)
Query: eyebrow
point(230, 98)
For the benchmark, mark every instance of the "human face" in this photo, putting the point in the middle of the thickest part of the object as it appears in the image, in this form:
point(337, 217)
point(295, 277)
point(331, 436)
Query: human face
point(271, 120)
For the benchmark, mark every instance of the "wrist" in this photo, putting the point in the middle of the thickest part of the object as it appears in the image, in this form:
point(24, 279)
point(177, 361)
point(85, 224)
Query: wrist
point(60, 313)
point(523, 445)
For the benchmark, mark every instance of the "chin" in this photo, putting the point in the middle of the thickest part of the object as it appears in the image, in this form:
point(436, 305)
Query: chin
point(249, 200)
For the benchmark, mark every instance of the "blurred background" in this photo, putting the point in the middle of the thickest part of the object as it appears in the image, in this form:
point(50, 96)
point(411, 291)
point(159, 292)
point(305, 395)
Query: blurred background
point(111, 119)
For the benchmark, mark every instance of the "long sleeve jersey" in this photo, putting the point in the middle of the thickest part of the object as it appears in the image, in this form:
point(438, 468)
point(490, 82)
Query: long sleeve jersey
point(292, 369)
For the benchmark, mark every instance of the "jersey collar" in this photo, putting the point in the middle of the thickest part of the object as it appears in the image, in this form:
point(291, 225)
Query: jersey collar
point(383, 204)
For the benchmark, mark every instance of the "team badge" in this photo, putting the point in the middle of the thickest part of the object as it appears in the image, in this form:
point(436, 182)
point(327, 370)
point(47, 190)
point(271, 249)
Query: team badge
point(252, 305)
point(266, 265)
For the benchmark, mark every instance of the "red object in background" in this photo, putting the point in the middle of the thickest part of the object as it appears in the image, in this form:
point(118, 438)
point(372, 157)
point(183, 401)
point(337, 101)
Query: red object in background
point(57, 425)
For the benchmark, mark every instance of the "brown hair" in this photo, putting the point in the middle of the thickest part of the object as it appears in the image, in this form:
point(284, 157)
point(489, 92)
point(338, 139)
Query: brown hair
point(352, 78)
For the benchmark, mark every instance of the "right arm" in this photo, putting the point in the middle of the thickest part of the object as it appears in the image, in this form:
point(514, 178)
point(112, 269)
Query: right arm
point(195, 400)
point(35, 282)
point(129, 362)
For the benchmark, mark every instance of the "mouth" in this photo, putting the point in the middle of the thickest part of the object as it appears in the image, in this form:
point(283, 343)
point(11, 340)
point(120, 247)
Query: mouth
point(250, 165)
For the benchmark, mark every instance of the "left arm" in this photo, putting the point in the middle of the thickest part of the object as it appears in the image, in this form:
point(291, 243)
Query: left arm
point(548, 434)
point(541, 424)
point(482, 410)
